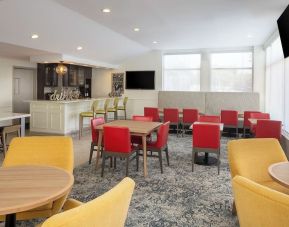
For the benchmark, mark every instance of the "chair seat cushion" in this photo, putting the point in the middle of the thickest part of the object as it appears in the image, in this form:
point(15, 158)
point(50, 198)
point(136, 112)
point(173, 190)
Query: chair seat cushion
point(121, 108)
point(86, 114)
point(111, 109)
point(99, 111)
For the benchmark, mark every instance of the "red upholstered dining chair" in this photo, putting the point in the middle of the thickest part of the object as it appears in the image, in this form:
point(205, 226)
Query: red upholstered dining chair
point(117, 144)
point(230, 119)
point(94, 135)
point(209, 118)
point(268, 129)
point(257, 116)
point(189, 117)
point(138, 139)
point(246, 123)
point(172, 115)
point(206, 138)
point(152, 112)
point(161, 144)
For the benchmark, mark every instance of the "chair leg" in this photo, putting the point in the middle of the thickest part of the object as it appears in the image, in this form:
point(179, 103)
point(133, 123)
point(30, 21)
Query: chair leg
point(237, 134)
point(183, 129)
point(219, 161)
point(244, 132)
point(234, 210)
point(160, 159)
point(137, 160)
point(80, 126)
point(125, 114)
point(127, 162)
point(167, 155)
point(103, 164)
point(111, 162)
point(91, 152)
point(193, 160)
point(114, 163)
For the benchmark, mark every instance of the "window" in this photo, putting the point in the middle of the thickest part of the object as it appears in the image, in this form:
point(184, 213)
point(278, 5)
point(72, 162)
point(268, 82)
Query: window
point(181, 72)
point(277, 83)
point(231, 72)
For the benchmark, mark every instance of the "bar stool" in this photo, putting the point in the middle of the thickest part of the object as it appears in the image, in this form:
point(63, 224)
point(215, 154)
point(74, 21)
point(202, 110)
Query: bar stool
point(100, 108)
point(113, 109)
point(7, 131)
point(123, 106)
point(82, 115)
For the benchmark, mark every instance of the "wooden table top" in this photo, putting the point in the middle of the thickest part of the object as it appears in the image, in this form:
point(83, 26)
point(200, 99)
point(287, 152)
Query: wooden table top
point(24, 188)
point(280, 173)
point(139, 127)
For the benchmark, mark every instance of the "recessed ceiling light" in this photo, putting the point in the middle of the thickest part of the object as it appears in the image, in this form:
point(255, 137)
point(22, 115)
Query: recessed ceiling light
point(46, 62)
point(136, 29)
point(106, 10)
point(35, 36)
point(79, 48)
point(155, 42)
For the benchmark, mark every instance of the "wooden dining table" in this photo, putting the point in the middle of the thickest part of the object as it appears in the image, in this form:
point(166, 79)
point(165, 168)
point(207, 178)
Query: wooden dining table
point(23, 188)
point(280, 173)
point(137, 128)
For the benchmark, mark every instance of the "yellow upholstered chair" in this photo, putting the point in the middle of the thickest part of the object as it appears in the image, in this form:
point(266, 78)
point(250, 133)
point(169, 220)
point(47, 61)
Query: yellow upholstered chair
point(100, 108)
point(123, 106)
point(54, 151)
point(113, 108)
point(259, 206)
point(251, 158)
point(108, 210)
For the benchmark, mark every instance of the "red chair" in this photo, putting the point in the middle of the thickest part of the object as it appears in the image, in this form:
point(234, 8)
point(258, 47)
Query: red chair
point(172, 115)
point(189, 117)
point(257, 116)
point(230, 119)
point(94, 135)
point(138, 139)
point(211, 119)
point(268, 129)
point(117, 144)
point(206, 138)
point(161, 144)
point(152, 112)
point(247, 123)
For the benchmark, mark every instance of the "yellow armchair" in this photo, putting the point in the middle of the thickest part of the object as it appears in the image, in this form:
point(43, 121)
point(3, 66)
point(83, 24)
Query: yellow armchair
point(45, 150)
point(260, 206)
point(108, 210)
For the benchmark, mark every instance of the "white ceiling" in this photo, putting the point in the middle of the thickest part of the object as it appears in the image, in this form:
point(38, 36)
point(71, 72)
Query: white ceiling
point(63, 25)
point(187, 24)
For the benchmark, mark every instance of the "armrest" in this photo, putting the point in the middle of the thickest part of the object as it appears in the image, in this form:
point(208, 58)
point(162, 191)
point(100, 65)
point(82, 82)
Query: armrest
point(71, 203)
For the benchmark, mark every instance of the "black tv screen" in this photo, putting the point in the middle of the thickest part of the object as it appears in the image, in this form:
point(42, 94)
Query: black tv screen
point(140, 80)
point(283, 25)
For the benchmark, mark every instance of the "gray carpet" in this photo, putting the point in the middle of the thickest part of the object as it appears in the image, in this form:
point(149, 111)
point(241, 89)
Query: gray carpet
point(178, 197)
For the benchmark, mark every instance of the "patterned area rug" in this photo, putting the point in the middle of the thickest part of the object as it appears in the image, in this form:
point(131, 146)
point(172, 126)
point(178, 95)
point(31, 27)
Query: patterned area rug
point(178, 197)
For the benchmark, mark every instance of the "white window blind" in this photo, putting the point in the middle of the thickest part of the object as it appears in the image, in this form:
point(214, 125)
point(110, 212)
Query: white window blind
point(181, 72)
point(231, 72)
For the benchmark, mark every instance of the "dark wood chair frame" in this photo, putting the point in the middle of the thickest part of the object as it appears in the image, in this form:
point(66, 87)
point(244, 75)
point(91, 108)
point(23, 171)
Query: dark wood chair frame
point(6, 131)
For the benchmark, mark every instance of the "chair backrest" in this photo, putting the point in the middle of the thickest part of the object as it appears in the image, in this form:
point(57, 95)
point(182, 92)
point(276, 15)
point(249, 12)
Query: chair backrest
point(56, 151)
point(125, 101)
point(171, 115)
point(258, 205)
point(107, 210)
point(115, 102)
point(142, 118)
point(260, 115)
point(247, 115)
point(9, 130)
point(152, 112)
point(229, 117)
point(207, 118)
point(251, 158)
point(117, 139)
point(190, 115)
point(93, 124)
point(268, 129)
point(162, 135)
point(206, 136)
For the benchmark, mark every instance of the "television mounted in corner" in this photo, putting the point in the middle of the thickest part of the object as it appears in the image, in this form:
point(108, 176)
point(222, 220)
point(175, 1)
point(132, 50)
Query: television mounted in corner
point(283, 26)
point(144, 80)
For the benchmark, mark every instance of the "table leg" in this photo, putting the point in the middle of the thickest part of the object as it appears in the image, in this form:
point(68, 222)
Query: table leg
point(98, 147)
point(144, 144)
point(22, 126)
point(10, 220)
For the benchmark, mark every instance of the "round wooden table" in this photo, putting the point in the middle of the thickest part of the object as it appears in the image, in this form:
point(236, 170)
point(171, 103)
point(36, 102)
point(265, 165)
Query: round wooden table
point(23, 188)
point(280, 173)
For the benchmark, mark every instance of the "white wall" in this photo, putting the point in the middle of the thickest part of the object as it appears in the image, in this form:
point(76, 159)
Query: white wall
point(6, 76)
point(101, 82)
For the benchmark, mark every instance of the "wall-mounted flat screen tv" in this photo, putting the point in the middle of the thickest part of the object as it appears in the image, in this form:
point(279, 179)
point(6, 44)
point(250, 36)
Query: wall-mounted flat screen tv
point(283, 25)
point(140, 80)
